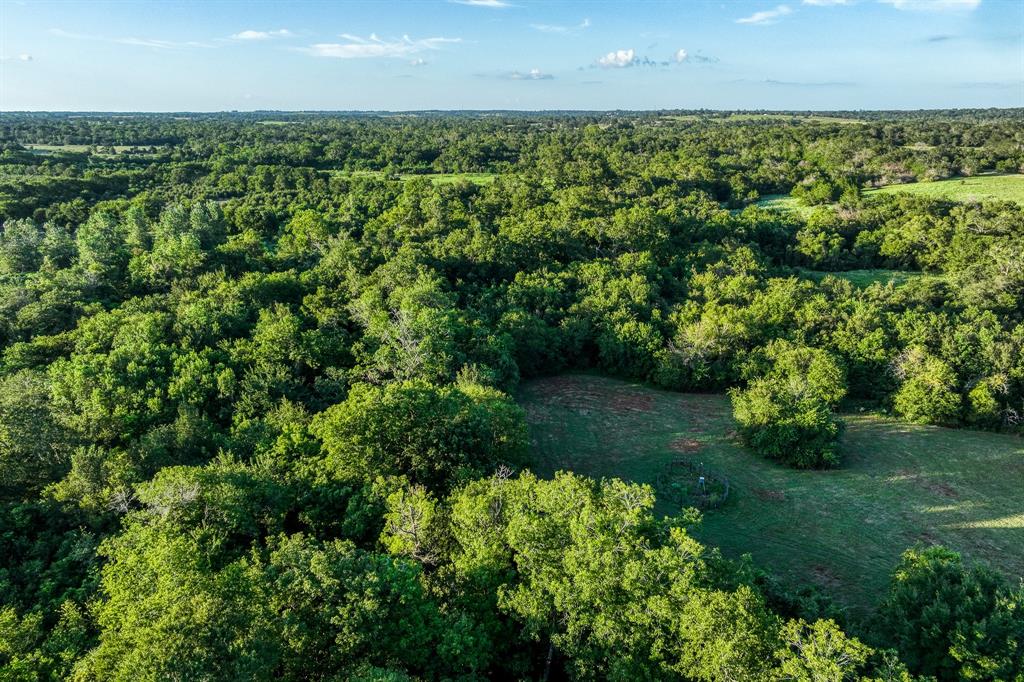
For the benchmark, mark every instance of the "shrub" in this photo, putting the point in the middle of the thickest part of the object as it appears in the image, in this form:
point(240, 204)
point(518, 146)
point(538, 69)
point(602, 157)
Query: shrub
point(786, 414)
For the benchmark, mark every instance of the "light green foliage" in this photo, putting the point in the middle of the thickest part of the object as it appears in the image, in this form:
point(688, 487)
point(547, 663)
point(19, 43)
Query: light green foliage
point(928, 394)
point(820, 652)
point(594, 576)
point(101, 252)
point(20, 242)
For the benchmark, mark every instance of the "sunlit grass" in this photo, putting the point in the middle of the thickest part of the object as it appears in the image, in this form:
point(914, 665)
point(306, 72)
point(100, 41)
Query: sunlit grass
point(843, 529)
point(977, 188)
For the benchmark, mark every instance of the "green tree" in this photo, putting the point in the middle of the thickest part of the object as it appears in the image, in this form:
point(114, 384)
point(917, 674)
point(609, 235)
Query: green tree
point(786, 414)
point(953, 621)
point(435, 436)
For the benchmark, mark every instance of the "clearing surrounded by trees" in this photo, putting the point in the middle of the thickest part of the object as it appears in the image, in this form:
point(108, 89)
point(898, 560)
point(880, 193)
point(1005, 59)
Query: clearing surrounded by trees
point(897, 485)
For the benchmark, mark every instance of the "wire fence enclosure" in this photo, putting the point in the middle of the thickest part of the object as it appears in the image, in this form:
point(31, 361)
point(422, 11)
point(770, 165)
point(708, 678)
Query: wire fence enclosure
point(691, 484)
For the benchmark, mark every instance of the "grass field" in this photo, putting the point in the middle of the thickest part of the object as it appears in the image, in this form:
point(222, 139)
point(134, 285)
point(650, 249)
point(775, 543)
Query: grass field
point(80, 148)
point(784, 202)
point(977, 188)
point(865, 278)
point(435, 178)
point(899, 485)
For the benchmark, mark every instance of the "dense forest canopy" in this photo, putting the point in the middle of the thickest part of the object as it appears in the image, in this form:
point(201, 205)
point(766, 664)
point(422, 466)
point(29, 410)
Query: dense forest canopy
point(258, 377)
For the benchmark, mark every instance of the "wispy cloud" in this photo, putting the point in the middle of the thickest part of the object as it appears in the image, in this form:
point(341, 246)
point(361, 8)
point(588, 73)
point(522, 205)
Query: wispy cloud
point(531, 75)
point(809, 84)
point(618, 59)
point(989, 85)
point(262, 35)
point(702, 59)
point(939, 38)
point(826, 3)
point(768, 16)
point(131, 40)
point(934, 5)
point(564, 30)
point(493, 4)
point(23, 57)
point(356, 47)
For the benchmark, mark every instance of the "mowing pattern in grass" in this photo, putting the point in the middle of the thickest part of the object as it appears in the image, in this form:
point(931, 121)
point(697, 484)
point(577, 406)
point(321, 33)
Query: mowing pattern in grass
point(844, 529)
point(978, 188)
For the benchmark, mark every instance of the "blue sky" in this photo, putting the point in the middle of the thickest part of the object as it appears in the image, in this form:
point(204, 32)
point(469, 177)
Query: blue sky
point(511, 54)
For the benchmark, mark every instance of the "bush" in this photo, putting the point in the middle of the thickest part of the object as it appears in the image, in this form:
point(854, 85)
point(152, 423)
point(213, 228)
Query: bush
point(786, 414)
point(928, 395)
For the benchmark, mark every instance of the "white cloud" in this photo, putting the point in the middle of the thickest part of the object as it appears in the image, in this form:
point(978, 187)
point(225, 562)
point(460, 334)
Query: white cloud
point(418, 61)
point(262, 35)
point(374, 47)
point(25, 57)
point(618, 59)
point(131, 40)
point(531, 75)
point(494, 4)
point(680, 56)
point(934, 5)
point(768, 16)
point(554, 28)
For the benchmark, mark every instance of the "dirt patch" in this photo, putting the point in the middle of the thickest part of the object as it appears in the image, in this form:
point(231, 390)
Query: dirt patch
point(585, 396)
point(943, 490)
point(685, 445)
point(936, 487)
point(627, 401)
point(824, 576)
point(769, 495)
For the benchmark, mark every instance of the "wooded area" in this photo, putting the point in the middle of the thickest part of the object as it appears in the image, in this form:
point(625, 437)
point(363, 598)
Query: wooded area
point(257, 414)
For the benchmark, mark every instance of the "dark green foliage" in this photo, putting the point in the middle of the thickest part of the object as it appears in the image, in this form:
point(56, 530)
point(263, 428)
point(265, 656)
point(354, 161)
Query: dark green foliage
point(953, 621)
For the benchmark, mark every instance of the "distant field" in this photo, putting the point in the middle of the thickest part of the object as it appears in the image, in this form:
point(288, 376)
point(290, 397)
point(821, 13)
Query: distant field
point(435, 178)
point(738, 117)
point(81, 148)
point(865, 278)
point(977, 188)
point(844, 529)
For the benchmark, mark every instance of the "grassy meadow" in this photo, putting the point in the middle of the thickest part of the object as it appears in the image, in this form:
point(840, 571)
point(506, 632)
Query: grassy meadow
point(977, 188)
point(844, 529)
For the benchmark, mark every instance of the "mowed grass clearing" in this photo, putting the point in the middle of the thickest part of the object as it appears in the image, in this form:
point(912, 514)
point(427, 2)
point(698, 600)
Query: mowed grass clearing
point(435, 178)
point(977, 188)
point(865, 278)
point(844, 529)
point(784, 202)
